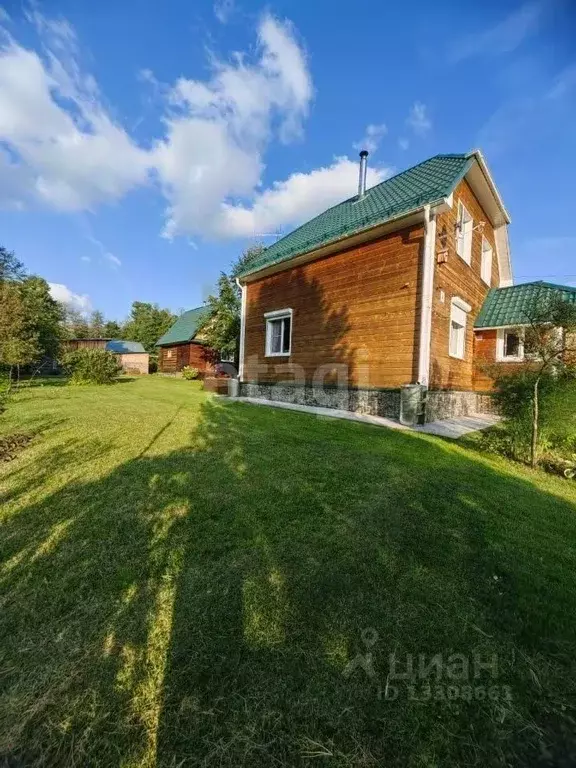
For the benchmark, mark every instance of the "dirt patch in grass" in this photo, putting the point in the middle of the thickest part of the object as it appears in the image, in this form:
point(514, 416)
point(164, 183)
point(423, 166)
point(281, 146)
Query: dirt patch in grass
point(11, 446)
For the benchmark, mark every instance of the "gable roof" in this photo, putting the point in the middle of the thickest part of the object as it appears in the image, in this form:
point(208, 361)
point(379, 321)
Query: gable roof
point(121, 347)
point(184, 329)
point(512, 305)
point(428, 182)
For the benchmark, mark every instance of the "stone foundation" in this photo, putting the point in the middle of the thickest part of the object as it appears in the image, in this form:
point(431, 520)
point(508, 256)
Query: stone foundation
point(449, 404)
point(439, 404)
point(374, 402)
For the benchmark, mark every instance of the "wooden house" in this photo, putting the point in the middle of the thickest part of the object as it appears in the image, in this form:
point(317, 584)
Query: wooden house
point(376, 299)
point(182, 345)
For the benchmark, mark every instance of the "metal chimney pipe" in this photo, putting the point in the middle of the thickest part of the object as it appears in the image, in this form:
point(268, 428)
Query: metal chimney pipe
point(362, 174)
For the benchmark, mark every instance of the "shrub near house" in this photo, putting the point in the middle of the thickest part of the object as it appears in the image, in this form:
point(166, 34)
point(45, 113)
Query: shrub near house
point(92, 366)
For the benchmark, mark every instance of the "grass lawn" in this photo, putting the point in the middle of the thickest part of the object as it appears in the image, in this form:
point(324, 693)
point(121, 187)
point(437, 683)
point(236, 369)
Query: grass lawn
point(185, 581)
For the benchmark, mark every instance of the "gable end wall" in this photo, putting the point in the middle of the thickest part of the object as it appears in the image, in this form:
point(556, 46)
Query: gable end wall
point(456, 278)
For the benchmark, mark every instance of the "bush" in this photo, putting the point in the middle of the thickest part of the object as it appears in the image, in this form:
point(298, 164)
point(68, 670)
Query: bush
point(557, 414)
point(190, 373)
point(152, 363)
point(92, 366)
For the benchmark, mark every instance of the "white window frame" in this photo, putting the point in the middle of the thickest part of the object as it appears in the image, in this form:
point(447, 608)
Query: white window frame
point(278, 314)
point(501, 355)
point(464, 231)
point(168, 354)
point(487, 261)
point(459, 311)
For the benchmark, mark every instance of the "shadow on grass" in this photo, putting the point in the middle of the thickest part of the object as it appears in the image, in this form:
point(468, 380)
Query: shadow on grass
point(199, 607)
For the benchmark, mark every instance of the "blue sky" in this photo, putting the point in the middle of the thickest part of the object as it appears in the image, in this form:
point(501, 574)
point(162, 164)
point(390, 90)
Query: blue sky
point(143, 145)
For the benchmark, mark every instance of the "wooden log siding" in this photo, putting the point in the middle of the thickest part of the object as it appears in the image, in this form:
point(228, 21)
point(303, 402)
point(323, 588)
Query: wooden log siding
point(357, 309)
point(457, 278)
point(174, 358)
point(484, 359)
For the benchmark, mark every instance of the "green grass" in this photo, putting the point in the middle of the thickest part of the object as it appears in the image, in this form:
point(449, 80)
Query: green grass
point(184, 580)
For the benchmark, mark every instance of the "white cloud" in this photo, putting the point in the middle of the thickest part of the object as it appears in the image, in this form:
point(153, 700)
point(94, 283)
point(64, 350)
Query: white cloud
point(63, 294)
point(372, 137)
point(403, 143)
point(114, 260)
point(502, 38)
point(212, 155)
point(418, 119)
point(87, 259)
point(223, 9)
point(66, 151)
point(300, 197)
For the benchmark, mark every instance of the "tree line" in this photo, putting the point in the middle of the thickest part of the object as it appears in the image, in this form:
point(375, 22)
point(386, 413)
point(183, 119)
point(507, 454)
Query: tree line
point(33, 324)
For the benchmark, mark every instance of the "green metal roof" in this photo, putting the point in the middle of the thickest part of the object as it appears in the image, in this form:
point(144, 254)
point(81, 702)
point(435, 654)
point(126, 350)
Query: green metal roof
point(513, 305)
point(184, 329)
point(427, 182)
point(122, 347)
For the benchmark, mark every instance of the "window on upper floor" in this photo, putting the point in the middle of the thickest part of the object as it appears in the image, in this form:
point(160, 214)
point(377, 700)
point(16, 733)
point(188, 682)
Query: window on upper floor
point(464, 226)
point(458, 326)
point(487, 253)
point(278, 332)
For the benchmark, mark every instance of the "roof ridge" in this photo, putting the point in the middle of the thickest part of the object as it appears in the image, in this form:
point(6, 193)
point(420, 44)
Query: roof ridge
point(407, 170)
point(408, 190)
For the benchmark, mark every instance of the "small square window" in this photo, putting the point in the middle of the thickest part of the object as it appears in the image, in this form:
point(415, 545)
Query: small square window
point(511, 345)
point(486, 261)
point(278, 333)
point(464, 234)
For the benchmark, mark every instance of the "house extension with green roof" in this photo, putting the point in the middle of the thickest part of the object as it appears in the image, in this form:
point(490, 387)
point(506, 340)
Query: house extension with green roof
point(183, 345)
point(380, 291)
point(500, 326)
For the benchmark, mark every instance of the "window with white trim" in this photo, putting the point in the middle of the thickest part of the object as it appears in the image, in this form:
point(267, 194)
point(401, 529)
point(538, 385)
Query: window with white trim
point(458, 326)
point(464, 227)
point(487, 255)
point(278, 332)
point(510, 345)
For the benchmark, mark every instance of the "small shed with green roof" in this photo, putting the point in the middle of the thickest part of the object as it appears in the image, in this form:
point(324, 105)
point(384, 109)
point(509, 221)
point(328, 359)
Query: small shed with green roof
point(182, 345)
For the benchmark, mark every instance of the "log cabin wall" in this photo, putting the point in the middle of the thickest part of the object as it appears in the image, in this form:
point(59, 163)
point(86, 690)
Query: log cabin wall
point(172, 359)
point(354, 316)
point(455, 278)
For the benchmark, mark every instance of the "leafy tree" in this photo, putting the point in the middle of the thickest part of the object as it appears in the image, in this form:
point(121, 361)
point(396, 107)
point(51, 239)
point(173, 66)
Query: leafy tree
point(11, 268)
point(18, 341)
point(30, 319)
point(112, 330)
point(44, 315)
point(96, 324)
point(549, 360)
point(146, 323)
point(76, 325)
point(221, 329)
